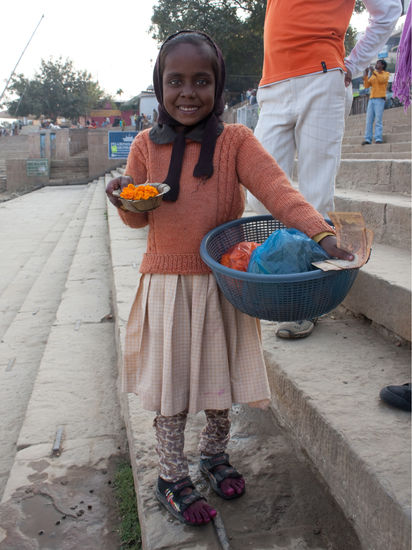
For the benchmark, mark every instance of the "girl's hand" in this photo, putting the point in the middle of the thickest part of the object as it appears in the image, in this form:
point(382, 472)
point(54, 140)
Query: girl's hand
point(117, 183)
point(328, 243)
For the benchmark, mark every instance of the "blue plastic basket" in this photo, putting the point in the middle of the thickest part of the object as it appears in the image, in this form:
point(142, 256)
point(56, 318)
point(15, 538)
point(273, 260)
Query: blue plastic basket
point(290, 297)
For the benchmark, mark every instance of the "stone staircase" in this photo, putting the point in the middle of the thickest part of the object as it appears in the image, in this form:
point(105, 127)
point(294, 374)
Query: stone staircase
point(381, 190)
point(327, 466)
point(61, 433)
point(74, 170)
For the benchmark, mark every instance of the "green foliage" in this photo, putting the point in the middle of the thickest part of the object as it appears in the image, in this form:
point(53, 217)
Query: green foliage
point(126, 498)
point(236, 25)
point(350, 36)
point(57, 89)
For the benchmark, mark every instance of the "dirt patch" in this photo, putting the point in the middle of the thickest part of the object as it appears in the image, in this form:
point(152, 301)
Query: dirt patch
point(76, 511)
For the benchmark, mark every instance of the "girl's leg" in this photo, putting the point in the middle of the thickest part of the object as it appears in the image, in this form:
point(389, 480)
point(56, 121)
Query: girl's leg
point(173, 465)
point(213, 441)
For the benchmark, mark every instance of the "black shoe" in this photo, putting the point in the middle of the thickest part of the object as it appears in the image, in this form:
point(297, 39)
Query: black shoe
point(397, 396)
point(378, 141)
point(366, 143)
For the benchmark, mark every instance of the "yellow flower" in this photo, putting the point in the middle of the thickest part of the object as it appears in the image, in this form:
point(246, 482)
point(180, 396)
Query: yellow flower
point(139, 192)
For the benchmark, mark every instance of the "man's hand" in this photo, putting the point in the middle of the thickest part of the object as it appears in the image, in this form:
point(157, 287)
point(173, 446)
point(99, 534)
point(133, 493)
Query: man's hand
point(328, 243)
point(348, 77)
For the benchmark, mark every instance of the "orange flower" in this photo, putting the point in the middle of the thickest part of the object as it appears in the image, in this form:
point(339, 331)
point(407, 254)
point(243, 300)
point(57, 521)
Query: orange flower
point(139, 192)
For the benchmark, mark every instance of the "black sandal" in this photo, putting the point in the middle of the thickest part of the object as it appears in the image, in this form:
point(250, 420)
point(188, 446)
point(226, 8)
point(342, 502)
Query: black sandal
point(171, 498)
point(207, 467)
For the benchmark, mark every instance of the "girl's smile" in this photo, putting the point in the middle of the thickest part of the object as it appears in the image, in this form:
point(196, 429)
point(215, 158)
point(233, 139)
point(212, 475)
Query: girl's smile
point(188, 84)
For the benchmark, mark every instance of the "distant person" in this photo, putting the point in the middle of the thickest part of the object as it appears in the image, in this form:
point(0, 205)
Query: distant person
point(377, 79)
point(306, 92)
point(188, 349)
point(252, 98)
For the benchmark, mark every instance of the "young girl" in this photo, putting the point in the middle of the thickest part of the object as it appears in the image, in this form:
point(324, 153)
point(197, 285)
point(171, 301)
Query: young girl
point(187, 348)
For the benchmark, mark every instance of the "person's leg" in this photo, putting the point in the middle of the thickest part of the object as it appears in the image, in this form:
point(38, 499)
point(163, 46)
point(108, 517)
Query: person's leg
point(275, 130)
point(213, 442)
point(370, 115)
point(379, 108)
point(173, 466)
point(321, 101)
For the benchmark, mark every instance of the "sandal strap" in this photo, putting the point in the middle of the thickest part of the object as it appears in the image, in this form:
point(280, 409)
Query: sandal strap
point(225, 473)
point(173, 494)
point(221, 459)
point(216, 460)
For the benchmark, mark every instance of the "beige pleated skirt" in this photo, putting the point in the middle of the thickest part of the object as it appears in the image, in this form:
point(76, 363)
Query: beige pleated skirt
point(188, 349)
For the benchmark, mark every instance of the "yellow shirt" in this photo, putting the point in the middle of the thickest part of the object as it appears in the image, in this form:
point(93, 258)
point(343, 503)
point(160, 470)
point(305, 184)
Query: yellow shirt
point(378, 82)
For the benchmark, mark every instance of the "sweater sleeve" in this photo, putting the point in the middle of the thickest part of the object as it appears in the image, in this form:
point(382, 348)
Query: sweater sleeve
point(262, 176)
point(136, 169)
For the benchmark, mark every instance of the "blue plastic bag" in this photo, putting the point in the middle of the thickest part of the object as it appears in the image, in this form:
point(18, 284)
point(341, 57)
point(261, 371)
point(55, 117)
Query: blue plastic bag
point(286, 251)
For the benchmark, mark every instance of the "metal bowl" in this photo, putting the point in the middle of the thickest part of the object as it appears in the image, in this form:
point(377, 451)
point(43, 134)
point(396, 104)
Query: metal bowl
point(144, 205)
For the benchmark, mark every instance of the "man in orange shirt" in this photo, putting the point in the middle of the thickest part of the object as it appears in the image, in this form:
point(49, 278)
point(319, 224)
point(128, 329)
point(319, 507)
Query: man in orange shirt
point(305, 93)
point(376, 78)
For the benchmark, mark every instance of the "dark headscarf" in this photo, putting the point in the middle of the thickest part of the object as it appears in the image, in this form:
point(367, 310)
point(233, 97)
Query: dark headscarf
point(207, 131)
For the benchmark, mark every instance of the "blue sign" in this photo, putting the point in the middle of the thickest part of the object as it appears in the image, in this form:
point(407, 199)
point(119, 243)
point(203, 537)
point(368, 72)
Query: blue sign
point(119, 144)
point(383, 53)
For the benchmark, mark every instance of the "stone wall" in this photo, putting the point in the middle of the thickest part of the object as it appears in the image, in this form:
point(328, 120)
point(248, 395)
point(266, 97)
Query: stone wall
point(98, 147)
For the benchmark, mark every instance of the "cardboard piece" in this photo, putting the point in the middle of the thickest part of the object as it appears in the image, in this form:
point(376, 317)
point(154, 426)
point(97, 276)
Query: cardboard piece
point(353, 236)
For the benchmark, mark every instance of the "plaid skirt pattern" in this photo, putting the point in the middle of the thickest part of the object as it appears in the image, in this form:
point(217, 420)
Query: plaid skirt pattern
point(188, 349)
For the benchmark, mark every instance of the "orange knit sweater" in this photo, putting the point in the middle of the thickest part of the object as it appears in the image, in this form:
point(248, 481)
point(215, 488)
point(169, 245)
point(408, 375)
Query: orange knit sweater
point(177, 228)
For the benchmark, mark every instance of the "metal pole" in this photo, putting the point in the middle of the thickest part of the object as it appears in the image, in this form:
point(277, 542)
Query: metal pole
point(22, 53)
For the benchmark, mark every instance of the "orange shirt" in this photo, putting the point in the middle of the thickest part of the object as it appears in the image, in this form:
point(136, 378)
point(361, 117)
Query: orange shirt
point(301, 34)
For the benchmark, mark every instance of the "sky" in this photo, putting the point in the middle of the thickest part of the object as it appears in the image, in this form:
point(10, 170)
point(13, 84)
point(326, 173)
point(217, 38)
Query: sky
point(110, 40)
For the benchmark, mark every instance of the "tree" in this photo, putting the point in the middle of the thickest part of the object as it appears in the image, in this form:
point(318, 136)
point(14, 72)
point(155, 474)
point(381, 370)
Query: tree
point(350, 36)
point(56, 90)
point(236, 25)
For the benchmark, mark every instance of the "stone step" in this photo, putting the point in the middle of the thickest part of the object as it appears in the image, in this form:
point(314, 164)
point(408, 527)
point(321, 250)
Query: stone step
point(383, 148)
point(378, 156)
point(389, 128)
point(78, 179)
point(378, 175)
point(74, 395)
point(387, 275)
point(325, 390)
point(387, 138)
point(388, 215)
point(33, 279)
point(384, 175)
point(390, 116)
point(71, 162)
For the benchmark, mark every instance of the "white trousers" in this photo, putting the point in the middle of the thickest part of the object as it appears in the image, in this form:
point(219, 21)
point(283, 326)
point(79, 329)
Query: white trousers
point(305, 115)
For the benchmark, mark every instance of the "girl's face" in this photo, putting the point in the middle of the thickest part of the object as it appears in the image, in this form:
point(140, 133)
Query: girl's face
point(188, 83)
